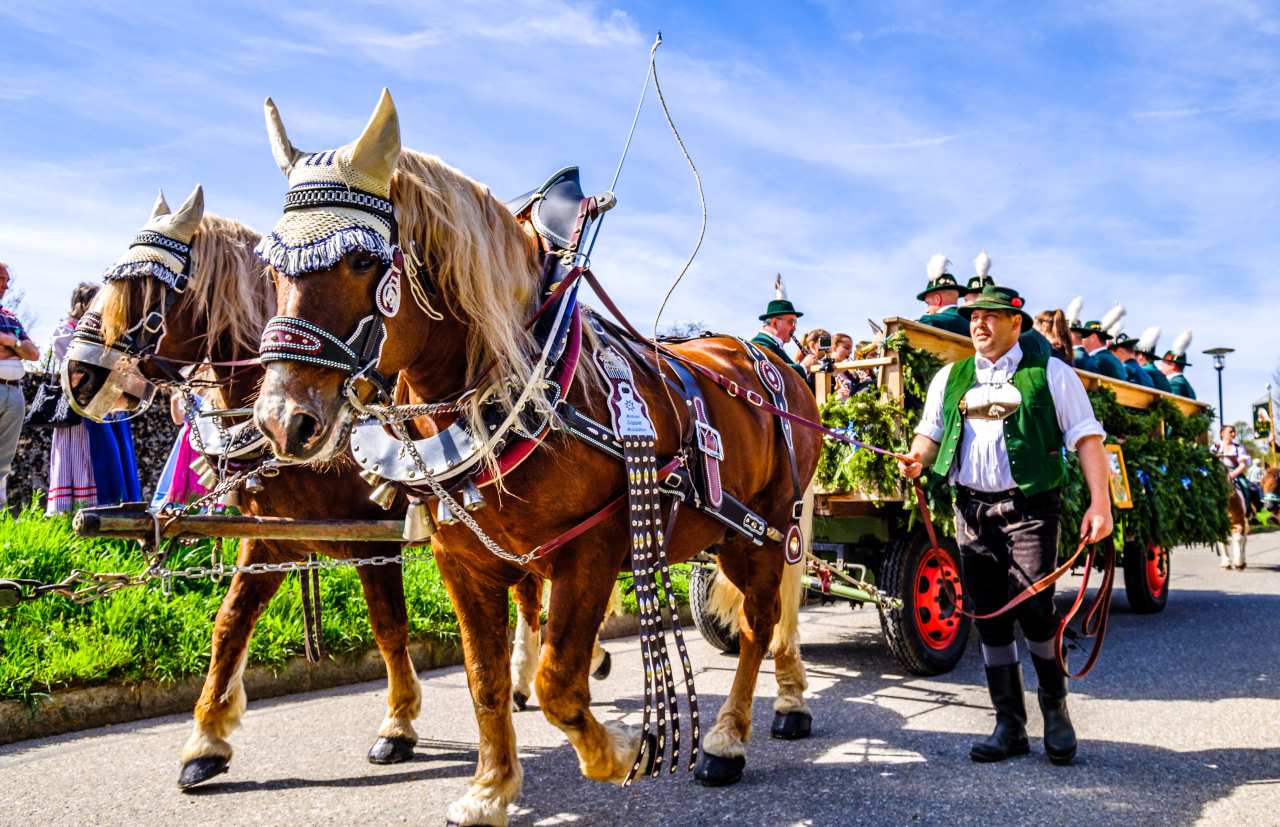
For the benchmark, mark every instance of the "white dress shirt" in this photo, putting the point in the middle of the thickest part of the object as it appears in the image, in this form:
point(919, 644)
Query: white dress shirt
point(983, 457)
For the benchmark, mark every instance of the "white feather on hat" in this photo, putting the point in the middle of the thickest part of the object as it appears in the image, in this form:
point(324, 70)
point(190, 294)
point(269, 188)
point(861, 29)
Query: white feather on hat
point(1073, 310)
point(938, 265)
point(1180, 344)
point(1147, 342)
point(1116, 325)
point(982, 264)
point(779, 289)
point(1113, 317)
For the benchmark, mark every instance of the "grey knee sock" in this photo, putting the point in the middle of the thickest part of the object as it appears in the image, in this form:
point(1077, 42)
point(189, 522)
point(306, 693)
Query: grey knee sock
point(1043, 649)
point(1000, 655)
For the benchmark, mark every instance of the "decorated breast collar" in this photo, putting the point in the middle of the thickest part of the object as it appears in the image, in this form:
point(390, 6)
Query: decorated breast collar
point(511, 435)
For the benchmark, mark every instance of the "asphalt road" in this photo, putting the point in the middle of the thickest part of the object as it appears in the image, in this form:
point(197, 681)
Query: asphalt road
point(1179, 724)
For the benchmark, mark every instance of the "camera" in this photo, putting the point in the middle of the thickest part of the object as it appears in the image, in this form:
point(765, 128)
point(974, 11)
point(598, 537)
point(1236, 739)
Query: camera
point(824, 343)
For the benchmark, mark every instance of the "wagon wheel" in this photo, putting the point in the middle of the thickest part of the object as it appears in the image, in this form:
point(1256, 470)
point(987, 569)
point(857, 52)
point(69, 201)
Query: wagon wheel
point(713, 631)
point(1146, 577)
point(928, 634)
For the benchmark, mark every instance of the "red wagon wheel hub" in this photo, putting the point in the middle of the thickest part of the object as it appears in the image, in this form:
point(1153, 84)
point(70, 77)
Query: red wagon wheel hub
point(938, 594)
point(1157, 570)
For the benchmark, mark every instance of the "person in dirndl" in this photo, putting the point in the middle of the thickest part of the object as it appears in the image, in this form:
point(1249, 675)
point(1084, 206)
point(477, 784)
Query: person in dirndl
point(71, 484)
point(995, 425)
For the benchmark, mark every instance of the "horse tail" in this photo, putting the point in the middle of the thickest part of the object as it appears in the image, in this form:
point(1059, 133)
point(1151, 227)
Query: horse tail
point(724, 603)
point(786, 633)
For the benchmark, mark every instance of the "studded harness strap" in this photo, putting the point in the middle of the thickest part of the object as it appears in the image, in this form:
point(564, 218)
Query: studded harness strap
point(650, 569)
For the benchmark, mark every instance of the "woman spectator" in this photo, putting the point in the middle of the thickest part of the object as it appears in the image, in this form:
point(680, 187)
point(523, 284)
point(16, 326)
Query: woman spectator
point(1052, 324)
point(71, 484)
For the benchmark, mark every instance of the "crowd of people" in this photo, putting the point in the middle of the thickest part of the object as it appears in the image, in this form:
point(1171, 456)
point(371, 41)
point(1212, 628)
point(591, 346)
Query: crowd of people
point(90, 463)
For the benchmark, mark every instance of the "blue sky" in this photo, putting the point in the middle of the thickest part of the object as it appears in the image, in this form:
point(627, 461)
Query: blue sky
point(1123, 151)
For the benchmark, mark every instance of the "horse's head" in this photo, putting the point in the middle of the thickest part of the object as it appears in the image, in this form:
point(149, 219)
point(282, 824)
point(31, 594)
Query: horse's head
point(340, 275)
point(107, 366)
point(1271, 489)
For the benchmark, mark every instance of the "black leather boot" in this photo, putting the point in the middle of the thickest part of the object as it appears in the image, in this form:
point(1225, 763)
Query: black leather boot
point(1059, 734)
point(1010, 735)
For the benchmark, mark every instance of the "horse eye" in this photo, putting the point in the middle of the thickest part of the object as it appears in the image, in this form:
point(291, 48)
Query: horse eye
point(364, 262)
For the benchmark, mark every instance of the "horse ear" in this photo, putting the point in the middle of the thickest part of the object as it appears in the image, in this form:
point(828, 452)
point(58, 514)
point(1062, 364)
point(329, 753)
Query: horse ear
point(187, 218)
point(285, 153)
point(378, 148)
point(161, 206)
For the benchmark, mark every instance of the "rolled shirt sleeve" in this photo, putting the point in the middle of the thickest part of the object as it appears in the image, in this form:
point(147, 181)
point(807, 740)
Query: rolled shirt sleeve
point(1074, 411)
point(931, 419)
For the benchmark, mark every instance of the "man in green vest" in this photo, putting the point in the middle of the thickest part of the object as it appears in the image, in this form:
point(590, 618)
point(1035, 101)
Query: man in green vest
point(940, 296)
point(780, 326)
point(1145, 353)
point(1174, 362)
point(995, 426)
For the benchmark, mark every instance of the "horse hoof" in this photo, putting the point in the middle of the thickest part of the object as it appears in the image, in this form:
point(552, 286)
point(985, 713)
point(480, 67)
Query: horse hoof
point(605, 667)
point(791, 726)
point(199, 770)
point(714, 771)
point(521, 700)
point(391, 751)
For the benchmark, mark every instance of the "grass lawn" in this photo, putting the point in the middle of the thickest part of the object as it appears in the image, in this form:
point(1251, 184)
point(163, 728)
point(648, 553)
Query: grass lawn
point(141, 634)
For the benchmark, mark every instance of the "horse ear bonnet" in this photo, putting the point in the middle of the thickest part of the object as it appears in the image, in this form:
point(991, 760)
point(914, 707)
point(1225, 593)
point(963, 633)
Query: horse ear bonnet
point(339, 200)
point(162, 248)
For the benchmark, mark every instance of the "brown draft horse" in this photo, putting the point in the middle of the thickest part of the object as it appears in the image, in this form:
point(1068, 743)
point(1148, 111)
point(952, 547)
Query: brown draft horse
point(219, 319)
point(483, 266)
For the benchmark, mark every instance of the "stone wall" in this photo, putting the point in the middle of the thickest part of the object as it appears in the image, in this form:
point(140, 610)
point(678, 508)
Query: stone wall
point(153, 435)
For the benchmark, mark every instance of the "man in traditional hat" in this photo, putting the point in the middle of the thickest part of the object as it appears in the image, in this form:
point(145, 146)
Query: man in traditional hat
point(1145, 353)
point(780, 326)
point(994, 425)
point(1122, 346)
point(1174, 362)
point(940, 296)
point(15, 345)
point(1094, 337)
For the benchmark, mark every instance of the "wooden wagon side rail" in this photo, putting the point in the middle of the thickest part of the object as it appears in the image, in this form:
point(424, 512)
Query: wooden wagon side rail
point(131, 521)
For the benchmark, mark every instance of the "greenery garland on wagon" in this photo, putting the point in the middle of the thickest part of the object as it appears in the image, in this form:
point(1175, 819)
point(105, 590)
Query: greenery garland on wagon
point(1179, 490)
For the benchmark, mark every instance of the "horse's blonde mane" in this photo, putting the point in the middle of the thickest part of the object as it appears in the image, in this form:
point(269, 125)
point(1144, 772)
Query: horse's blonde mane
point(483, 261)
point(227, 290)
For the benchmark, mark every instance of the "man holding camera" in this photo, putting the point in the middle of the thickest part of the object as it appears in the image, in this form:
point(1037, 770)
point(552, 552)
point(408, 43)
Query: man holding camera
point(994, 425)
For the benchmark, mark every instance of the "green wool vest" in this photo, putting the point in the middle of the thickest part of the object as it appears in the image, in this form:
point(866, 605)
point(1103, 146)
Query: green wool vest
point(1031, 434)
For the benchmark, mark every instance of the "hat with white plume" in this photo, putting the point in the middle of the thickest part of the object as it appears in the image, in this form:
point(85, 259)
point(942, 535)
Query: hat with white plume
point(939, 277)
point(338, 200)
point(1177, 352)
point(162, 248)
point(780, 305)
point(1073, 312)
point(982, 271)
point(1147, 342)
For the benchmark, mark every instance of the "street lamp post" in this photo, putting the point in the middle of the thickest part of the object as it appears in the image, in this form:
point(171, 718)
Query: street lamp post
point(1219, 355)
